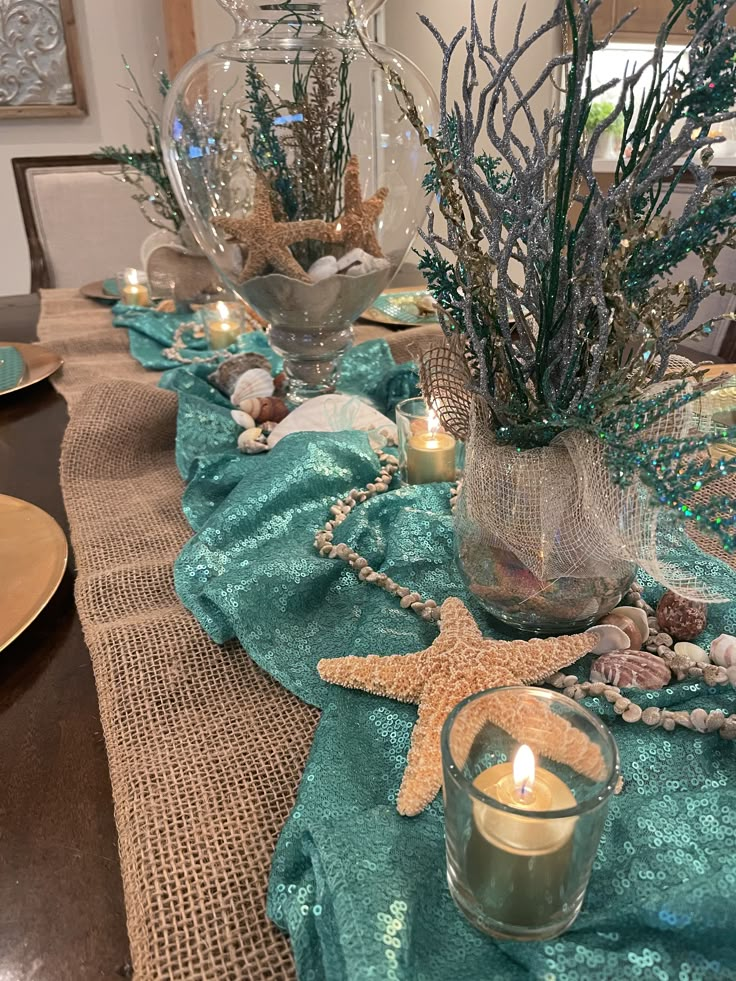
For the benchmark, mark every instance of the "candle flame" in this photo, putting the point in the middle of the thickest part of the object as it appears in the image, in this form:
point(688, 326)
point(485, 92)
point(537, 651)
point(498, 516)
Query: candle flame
point(222, 310)
point(132, 277)
point(433, 422)
point(524, 770)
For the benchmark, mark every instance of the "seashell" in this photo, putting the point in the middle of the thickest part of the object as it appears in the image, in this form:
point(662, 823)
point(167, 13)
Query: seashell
point(684, 619)
point(638, 616)
point(251, 447)
point(323, 268)
point(629, 627)
point(256, 383)
point(281, 383)
point(692, 652)
point(242, 419)
point(631, 669)
point(334, 414)
point(227, 375)
point(360, 263)
point(254, 434)
point(723, 651)
point(251, 406)
point(610, 638)
point(271, 410)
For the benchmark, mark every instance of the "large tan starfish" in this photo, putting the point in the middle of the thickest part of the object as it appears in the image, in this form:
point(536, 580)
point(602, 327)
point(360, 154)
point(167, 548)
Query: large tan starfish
point(267, 241)
point(356, 226)
point(460, 663)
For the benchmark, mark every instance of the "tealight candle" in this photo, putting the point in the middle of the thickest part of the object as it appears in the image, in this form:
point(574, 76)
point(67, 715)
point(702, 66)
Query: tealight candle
point(522, 835)
point(134, 291)
point(517, 862)
point(431, 456)
point(224, 328)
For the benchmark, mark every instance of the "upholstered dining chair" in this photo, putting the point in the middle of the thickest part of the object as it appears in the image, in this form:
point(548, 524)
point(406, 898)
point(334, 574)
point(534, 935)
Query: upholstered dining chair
point(82, 224)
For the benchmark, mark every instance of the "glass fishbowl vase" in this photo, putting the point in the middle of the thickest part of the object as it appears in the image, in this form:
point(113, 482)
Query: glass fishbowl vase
point(527, 545)
point(299, 174)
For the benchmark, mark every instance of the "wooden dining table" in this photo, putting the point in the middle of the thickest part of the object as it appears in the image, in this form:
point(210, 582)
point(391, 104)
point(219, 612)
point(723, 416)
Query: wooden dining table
point(62, 916)
point(62, 913)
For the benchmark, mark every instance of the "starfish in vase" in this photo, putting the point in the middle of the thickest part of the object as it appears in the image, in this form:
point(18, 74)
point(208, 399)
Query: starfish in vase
point(267, 241)
point(356, 226)
point(458, 664)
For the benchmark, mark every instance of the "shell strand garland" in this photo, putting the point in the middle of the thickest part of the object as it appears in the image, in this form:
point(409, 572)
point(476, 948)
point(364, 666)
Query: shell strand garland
point(173, 353)
point(325, 545)
point(698, 719)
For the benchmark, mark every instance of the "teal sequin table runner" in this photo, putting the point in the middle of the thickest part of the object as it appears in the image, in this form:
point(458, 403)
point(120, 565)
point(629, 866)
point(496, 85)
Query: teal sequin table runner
point(362, 891)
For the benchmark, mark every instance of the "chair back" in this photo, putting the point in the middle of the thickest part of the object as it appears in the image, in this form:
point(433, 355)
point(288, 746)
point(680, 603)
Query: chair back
point(82, 225)
point(722, 341)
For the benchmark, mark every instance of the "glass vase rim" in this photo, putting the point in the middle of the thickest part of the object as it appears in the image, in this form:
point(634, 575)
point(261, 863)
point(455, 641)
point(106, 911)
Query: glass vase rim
point(414, 400)
point(243, 47)
point(582, 807)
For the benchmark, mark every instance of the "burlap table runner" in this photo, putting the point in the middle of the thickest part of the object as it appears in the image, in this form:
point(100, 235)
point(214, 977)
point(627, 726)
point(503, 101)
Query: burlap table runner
point(205, 751)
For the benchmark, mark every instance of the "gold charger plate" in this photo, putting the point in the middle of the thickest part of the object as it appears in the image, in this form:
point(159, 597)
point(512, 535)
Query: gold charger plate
point(33, 558)
point(96, 291)
point(40, 363)
point(721, 404)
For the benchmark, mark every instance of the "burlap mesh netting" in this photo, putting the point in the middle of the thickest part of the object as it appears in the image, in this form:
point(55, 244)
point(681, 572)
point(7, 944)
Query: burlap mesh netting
point(557, 508)
point(205, 751)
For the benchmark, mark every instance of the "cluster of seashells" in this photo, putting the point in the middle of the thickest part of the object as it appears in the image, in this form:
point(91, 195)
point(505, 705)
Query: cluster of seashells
point(657, 645)
point(257, 395)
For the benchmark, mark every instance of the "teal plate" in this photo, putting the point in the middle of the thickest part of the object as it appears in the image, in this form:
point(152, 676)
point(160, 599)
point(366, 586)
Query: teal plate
point(101, 291)
point(12, 368)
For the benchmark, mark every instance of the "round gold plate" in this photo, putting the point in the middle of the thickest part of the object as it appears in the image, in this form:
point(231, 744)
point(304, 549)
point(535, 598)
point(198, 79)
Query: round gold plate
point(40, 363)
point(376, 316)
point(33, 557)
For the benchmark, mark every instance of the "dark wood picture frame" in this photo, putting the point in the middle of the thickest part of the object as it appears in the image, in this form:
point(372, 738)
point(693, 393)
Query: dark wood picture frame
point(74, 59)
point(40, 274)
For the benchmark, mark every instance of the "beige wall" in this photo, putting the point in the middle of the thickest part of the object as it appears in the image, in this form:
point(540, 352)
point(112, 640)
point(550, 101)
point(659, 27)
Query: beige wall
point(106, 29)
point(404, 32)
point(212, 23)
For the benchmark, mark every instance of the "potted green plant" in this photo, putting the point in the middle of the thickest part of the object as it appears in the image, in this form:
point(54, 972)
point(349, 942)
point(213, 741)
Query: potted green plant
point(610, 142)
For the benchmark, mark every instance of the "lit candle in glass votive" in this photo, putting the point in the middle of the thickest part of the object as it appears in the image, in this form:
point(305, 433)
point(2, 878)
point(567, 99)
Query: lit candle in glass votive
point(134, 291)
point(522, 838)
point(518, 864)
point(224, 328)
point(431, 456)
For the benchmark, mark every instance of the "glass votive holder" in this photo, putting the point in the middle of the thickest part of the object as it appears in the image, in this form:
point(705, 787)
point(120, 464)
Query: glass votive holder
point(163, 289)
point(427, 454)
point(524, 813)
point(134, 288)
point(223, 324)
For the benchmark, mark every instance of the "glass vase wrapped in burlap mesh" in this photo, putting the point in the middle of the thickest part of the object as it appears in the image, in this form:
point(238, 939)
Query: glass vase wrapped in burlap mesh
point(547, 540)
point(525, 528)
